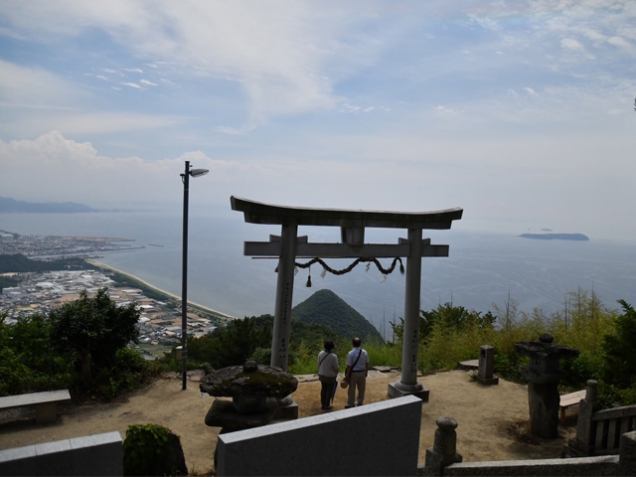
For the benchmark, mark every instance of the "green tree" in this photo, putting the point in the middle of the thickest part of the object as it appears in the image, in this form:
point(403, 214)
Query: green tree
point(93, 329)
point(619, 364)
point(28, 361)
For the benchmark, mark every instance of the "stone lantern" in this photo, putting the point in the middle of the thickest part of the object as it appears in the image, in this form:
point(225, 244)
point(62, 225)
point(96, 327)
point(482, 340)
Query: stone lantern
point(543, 374)
point(258, 396)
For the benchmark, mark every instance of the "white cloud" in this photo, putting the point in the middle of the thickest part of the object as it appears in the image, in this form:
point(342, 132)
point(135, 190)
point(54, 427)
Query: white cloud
point(349, 108)
point(35, 86)
point(149, 83)
point(572, 45)
point(445, 110)
point(131, 85)
point(230, 130)
point(530, 90)
point(81, 174)
point(282, 54)
point(87, 123)
point(134, 70)
point(620, 42)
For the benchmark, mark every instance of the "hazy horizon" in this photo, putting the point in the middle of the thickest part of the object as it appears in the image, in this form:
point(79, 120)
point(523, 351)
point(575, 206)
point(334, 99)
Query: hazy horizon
point(481, 269)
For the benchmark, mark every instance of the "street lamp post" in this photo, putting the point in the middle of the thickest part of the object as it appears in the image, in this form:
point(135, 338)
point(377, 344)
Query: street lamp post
point(185, 177)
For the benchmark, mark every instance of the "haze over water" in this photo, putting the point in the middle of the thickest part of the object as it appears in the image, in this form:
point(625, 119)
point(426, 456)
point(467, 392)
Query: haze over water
point(481, 269)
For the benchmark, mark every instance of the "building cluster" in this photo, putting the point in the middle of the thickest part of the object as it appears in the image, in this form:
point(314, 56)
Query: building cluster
point(159, 322)
point(47, 245)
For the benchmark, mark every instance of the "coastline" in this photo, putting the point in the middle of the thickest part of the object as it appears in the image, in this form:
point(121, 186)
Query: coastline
point(159, 290)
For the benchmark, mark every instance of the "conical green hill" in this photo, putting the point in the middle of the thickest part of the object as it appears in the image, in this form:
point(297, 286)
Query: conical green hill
point(326, 308)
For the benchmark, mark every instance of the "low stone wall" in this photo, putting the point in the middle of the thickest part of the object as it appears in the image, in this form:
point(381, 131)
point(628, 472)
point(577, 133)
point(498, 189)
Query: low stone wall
point(584, 466)
point(374, 439)
point(99, 454)
point(443, 459)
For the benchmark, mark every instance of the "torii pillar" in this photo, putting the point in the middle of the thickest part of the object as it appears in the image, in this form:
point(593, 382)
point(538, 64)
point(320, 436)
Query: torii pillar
point(288, 246)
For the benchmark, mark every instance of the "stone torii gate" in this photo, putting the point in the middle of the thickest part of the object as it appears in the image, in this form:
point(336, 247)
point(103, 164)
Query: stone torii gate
point(288, 246)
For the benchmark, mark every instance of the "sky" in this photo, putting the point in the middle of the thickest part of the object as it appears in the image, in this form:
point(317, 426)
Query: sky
point(519, 112)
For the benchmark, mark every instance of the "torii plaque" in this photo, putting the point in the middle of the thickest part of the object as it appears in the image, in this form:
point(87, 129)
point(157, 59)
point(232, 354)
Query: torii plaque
point(288, 246)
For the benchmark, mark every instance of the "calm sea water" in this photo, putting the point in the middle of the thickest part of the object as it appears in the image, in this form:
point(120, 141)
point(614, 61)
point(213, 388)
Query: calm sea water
point(481, 270)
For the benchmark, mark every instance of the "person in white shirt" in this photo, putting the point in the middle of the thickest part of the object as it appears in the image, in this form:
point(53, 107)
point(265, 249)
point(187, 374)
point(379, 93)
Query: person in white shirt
point(357, 371)
point(328, 368)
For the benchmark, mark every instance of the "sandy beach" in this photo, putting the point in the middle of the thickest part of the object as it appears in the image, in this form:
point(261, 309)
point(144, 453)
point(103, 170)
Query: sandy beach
point(492, 420)
point(150, 286)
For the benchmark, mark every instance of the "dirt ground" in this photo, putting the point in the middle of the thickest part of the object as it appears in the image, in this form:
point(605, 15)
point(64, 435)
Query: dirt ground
point(492, 419)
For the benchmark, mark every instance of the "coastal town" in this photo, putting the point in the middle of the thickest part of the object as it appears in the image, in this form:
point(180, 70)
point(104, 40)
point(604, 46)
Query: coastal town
point(160, 320)
point(51, 245)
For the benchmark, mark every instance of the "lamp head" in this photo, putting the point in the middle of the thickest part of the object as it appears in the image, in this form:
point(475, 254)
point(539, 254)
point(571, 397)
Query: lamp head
point(198, 172)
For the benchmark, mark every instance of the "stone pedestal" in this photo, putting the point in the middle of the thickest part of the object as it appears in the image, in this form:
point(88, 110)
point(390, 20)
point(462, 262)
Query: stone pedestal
point(398, 389)
point(224, 414)
point(485, 372)
point(543, 400)
point(543, 374)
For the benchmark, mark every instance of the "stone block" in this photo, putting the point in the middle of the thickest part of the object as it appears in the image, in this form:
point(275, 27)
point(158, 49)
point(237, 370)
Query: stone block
point(99, 454)
point(322, 444)
point(18, 461)
point(46, 412)
point(396, 392)
point(54, 458)
point(468, 365)
point(627, 456)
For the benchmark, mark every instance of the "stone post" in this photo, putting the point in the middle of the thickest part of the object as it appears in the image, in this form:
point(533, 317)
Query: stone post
point(583, 444)
point(410, 340)
point(281, 331)
point(444, 450)
point(284, 292)
point(627, 454)
point(485, 373)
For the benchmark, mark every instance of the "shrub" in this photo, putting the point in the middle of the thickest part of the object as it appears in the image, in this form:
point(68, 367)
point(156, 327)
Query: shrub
point(151, 449)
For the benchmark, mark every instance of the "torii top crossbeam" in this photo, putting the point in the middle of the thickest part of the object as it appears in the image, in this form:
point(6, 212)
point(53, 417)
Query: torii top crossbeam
point(259, 213)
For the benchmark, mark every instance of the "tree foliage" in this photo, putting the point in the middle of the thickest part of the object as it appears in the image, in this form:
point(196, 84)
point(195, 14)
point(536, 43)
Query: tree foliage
point(251, 338)
point(28, 362)
point(93, 329)
point(17, 263)
point(619, 346)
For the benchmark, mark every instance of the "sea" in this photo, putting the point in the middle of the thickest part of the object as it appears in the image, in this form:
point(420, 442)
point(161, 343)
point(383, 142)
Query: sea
point(482, 270)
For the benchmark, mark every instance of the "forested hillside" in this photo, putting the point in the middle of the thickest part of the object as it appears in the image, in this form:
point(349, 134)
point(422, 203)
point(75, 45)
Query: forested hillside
point(326, 308)
point(17, 263)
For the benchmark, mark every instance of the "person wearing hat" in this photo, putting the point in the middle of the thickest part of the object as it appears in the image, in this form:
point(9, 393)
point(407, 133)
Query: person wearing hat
point(328, 368)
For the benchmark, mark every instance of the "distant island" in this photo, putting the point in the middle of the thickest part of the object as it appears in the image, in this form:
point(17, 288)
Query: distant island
point(574, 237)
point(8, 205)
